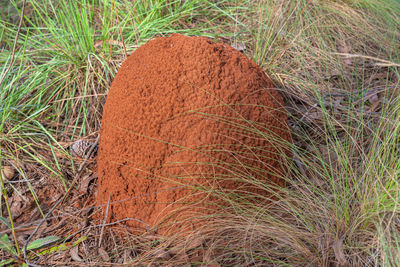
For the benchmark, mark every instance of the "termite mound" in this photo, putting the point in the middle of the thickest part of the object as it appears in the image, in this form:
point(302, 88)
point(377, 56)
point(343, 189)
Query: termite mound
point(185, 120)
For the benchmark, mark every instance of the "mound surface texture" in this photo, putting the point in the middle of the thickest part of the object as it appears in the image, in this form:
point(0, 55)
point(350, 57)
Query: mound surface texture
point(185, 116)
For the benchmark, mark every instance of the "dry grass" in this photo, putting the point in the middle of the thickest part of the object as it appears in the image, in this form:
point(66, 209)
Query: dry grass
point(341, 207)
point(335, 62)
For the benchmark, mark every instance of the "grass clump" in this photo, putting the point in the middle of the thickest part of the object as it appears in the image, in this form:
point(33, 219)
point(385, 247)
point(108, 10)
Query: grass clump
point(335, 62)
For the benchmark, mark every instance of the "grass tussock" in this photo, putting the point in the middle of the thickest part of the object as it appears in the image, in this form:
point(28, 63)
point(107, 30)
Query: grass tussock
point(336, 64)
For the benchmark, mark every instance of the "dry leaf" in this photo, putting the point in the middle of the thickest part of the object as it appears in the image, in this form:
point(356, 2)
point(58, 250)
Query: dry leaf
point(374, 106)
point(7, 173)
point(313, 115)
point(162, 255)
point(373, 98)
point(16, 206)
point(339, 253)
point(74, 252)
point(348, 61)
point(83, 187)
point(103, 254)
point(333, 74)
point(80, 147)
point(22, 238)
point(344, 48)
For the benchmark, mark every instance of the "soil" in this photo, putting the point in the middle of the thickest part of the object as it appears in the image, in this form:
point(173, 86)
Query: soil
point(185, 116)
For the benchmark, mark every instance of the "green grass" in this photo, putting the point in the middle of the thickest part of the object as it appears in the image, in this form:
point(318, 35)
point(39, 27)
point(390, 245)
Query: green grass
point(335, 62)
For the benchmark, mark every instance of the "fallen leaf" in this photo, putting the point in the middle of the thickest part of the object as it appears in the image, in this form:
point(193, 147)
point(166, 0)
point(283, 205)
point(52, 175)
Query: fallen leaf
point(22, 238)
point(80, 147)
point(344, 48)
point(372, 96)
point(7, 173)
point(103, 254)
point(374, 99)
point(162, 255)
point(83, 187)
point(16, 206)
point(313, 115)
point(74, 252)
point(339, 253)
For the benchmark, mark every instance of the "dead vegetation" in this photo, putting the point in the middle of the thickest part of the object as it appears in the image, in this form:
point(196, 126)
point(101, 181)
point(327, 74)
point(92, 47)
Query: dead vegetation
point(335, 62)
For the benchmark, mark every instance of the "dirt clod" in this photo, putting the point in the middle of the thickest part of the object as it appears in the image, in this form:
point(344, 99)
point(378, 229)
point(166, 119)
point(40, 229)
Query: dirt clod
point(186, 119)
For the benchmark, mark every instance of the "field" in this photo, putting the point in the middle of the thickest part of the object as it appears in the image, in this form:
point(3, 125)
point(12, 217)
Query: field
point(335, 62)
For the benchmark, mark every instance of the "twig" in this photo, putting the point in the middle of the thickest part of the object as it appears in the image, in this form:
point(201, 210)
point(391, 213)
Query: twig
point(381, 62)
point(104, 221)
point(15, 43)
point(78, 174)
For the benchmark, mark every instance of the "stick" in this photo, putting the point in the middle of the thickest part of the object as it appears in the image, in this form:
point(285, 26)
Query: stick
point(105, 220)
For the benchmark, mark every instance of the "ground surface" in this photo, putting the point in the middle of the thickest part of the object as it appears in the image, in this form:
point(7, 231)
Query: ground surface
point(336, 63)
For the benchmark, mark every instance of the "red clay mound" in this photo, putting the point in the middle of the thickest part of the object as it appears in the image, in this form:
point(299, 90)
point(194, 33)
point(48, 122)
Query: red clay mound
point(185, 116)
